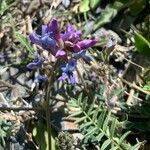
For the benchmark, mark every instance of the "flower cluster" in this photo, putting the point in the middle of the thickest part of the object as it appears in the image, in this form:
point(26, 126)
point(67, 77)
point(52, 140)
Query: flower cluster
point(67, 46)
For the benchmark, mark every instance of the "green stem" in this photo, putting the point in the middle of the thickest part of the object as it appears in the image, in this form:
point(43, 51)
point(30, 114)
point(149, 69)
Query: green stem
point(47, 109)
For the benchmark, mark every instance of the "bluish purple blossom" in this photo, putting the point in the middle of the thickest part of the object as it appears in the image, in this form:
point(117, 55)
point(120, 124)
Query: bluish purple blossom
point(82, 54)
point(67, 46)
point(37, 63)
point(68, 71)
point(40, 78)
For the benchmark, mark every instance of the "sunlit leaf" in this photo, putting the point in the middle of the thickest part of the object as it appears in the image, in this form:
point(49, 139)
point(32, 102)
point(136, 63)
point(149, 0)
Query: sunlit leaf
point(105, 144)
point(41, 136)
point(142, 45)
point(108, 14)
point(94, 3)
point(23, 40)
point(84, 5)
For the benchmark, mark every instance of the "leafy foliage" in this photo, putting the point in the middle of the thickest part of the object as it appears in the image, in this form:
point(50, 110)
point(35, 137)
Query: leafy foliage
point(39, 131)
point(99, 126)
point(142, 45)
point(23, 40)
point(4, 130)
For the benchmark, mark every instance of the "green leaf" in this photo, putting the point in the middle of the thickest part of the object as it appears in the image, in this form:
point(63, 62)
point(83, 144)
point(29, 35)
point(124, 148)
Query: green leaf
point(84, 6)
point(114, 148)
point(101, 118)
point(73, 103)
point(105, 144)
point(108, 14)
point(85, 125)
point(142, 45)
point(124, 136)
point(113, 126)
point(3, 69)
point(105, 124)
point(80, 99)
point(4, 6)
point(137, 146)
point(125, 146)
point(41, 136)
point(84, 105)
point(75, 114)
point(23, 40)
point(100, 136)
point(94, 3)
point(80, 120)
point(94, 117)
point(91, 132)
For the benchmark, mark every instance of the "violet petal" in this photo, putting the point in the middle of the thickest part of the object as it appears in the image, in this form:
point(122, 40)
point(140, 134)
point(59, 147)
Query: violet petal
point(36, 64)
point(82, 54)
point(63, 77)
point(54, 27)
point(60, 54)
point(35, 39)
point(85, 44)
point(44, 29)
point(48, 42)
point(73, 79)
point(40, 78)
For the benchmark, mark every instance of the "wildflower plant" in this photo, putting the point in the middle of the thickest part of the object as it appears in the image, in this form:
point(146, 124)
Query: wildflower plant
point(67, 47)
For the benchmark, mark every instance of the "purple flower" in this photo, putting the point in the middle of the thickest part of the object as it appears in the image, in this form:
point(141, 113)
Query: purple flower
point(67, 71)
point(67, 46)
point(82, 54)
point(50, 38)
point(53, 41)
point(71, 34)
point(40, 78)
point(84, 44)
point(61, 54)
point(37, 63)
point(72, 40)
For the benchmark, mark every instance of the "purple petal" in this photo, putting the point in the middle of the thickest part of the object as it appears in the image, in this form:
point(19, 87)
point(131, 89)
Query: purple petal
point(35, 65)
point(69, 67)
point(40, 78)
point(48, 43)
point(35, 39)
point(65, 36)
point(71, 34)
point(85, 44)
point(69, 44)
point(74, 37)
point(82, 54)
point(60, 54)
point(73, 79)
point(63, 77)
point(44, 29)
point(68, 32)
point(54, 27)
point(70, 28)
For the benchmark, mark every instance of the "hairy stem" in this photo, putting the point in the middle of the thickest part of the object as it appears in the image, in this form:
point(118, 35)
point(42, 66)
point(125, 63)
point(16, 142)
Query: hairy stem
point(47, 107)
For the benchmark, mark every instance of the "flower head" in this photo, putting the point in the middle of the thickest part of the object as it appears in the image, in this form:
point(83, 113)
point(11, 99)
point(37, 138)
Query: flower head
point(67, 46)
point(68, 71)
point(37, 62)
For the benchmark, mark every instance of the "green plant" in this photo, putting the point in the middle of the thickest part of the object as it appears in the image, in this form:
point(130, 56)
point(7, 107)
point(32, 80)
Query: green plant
point(4, 130)
point(100, 126)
